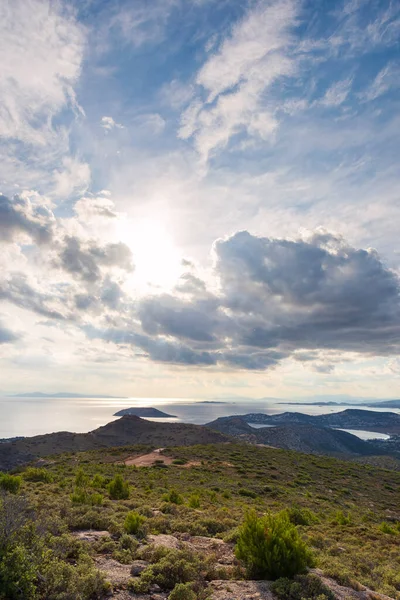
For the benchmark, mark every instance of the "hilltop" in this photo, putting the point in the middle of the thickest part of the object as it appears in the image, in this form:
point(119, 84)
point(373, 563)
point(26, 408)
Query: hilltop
point(127, 430)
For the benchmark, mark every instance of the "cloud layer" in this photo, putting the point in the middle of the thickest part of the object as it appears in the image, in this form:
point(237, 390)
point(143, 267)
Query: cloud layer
point(265, 300)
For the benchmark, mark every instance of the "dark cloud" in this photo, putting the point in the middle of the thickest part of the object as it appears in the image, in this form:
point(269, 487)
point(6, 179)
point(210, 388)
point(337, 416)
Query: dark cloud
point(84, 260)
point(324, 368)
point(17, 290)
point(309, 295)
point(190, 284)
point(156, 349)
point(111, 294)
point(277, 299)
point(6, 335)
point(166, 315)
point(19, 215)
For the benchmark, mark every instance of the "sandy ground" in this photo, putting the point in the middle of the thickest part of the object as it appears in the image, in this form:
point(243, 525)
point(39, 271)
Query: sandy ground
point(147, 460)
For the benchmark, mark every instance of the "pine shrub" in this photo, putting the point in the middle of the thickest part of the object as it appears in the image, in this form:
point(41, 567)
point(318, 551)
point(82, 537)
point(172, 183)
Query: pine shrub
point(133, 523)
point(271, 547)
point(118, 488)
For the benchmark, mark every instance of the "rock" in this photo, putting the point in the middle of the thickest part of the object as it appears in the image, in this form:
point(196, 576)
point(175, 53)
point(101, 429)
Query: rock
point(345, 593)
point(138, 566)
point(89, 535)
point(168, 541)
point(114, 571)
point(241, 590)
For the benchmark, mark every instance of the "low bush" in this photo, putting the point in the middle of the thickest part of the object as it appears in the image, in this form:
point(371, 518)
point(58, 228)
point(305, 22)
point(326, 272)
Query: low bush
point(194, 501)
point(182, 591)
point(301, 516)
point(10, 483)
point(98, 481)
point(170, 568)
point(304, 586)
point(37, 474)
point(271, 547)
point(173, 496)
point(342, 519)
point(387, 528)
point(247, 493)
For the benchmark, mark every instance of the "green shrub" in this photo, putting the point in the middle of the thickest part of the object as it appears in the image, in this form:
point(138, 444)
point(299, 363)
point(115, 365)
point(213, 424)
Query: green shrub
point(37, 474)
point(126, 550)
point(81, 479)
point(171, 567)
point(342, 519)
point(174, 497)
point(96, 499)
point(79, 497)
point(308, 587)
point(182, 591)
point(247, 493)
point(98, 481)
point(17, 574)
point(133, 523)
point(194, 501)
point(271, 547)
point(301, 516)
point(118, 488)
point(10, 483)
point(387, 528)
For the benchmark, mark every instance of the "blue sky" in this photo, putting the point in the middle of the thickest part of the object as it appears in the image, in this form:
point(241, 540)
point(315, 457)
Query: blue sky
point(200, 196)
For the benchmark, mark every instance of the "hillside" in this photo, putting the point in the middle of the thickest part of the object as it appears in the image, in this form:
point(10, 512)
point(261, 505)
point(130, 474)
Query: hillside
point(368, 420)
point(299, 437)
point(125, 431)
point(187, 513)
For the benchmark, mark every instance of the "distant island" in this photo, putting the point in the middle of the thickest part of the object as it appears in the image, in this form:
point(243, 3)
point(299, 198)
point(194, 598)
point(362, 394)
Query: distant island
point(60, 395)
point(211, 402)
point(145, 412)
point(369, 404)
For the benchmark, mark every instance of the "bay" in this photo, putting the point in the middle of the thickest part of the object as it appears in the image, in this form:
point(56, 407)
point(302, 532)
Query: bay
point(34, 416)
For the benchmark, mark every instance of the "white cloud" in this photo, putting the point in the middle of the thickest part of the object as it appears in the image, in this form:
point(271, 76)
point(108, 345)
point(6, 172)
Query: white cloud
point(386, 80)
point(41, 48)
point(108, 124)
point(153, 122)
point(337, 93)
point(236, 78)
point(72, 178)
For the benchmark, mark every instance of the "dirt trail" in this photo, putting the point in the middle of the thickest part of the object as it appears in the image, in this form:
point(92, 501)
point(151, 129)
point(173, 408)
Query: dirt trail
point(148, 460)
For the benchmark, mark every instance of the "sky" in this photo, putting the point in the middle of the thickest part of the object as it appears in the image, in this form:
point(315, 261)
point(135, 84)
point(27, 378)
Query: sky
point(200, 198)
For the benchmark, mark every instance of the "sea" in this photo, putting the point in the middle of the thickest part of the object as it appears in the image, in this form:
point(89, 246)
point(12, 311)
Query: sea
point(21, 416)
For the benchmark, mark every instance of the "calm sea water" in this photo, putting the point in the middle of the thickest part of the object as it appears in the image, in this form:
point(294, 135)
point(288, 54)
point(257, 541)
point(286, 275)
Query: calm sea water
point(34, 416)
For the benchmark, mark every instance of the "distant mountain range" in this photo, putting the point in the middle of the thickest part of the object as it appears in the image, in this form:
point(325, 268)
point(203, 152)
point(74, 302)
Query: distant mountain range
point(60, 395)
point(377, 404)
point(367, 420)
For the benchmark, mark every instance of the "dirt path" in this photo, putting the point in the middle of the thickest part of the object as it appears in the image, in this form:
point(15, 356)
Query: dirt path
point(147, 460)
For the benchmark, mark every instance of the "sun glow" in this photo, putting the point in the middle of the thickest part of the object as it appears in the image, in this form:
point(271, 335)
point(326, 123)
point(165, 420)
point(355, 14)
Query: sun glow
point(155, 255)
